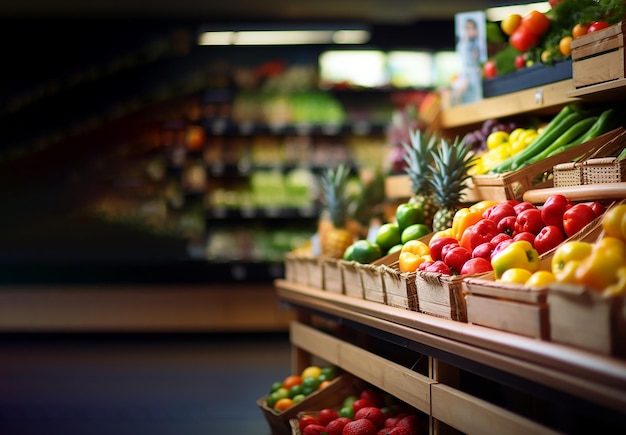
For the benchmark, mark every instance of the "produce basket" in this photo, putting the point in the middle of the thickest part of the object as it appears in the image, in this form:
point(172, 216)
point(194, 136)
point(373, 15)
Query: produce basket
point(516, 308)
point(584, 318)
point(598, 58)
point(315, 272)
point(333, 276)
point(507, 307)
point(352, 283)
point(296, 269)
point(331, 396)
point(400, 288)
point(441, 295)
point(596, 166)
point(373, 284)
point(513, 185)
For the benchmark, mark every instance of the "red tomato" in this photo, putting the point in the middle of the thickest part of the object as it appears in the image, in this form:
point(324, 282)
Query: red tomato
point(597, 25)
point(529, 220)
point(456, 257)
point(481, 232)
point(489, 69)
point(520, 61)
point(549, 237)
point(476, 265)
point(553, 210)
point(361, 403)
point(523, 39)
point(576, 217)
point(437, 245)
point(536, 22)
point(327, 415)
point(553, 3)
point(373, 396)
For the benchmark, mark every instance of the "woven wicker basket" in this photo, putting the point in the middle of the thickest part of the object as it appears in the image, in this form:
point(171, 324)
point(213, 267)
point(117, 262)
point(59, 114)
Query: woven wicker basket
point(604, 170)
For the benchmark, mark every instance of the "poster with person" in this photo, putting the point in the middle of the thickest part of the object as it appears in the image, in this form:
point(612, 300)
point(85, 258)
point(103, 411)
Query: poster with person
point(471, 48)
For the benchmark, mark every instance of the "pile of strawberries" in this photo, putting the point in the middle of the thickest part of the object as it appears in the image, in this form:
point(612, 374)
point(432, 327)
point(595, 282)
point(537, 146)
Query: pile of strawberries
point(370, 413)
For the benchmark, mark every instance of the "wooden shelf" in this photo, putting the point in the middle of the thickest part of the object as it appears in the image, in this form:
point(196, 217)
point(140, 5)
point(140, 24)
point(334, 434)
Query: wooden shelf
point(540, 99)
point(587, 376)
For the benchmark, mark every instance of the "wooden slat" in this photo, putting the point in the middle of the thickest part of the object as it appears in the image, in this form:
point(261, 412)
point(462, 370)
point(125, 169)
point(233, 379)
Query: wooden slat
point(475, 416)
point(397, 380)
point(580, 373)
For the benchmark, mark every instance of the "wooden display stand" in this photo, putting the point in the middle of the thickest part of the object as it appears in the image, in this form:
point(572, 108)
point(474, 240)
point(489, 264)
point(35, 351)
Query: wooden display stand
point(571, 374)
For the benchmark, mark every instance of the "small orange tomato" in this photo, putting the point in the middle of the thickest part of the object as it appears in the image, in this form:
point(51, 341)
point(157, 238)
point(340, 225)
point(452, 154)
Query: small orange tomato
point(565, 45)
point(541, 278)
point(579, 30)
point(409, 262)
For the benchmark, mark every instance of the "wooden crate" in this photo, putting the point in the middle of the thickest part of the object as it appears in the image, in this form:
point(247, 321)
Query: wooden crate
point(400, 288)
point(441, 295)
point(296, 269)
point(352, 283)
point(598, 57)
point(331, 396)
point(315, 272)
point(373, 285)
point(513, 185)
point(333, 276)
point(507, 307)
point(583, 318)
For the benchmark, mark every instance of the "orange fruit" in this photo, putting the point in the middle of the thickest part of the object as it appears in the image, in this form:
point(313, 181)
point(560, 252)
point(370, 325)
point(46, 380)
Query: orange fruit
point(283, 404)
point(565, 45)
point(579, 30)
point(292, 380)
point(323, 385)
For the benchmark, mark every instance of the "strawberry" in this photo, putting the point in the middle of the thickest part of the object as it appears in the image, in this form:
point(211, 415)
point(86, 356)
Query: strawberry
point(372, 413)
point(361, 403)
point(335, 427)
point(393, 421)
point(394, 431)
point(411, 423)
point(327, 415)
point(306, 420)
point(314, 429)
point(359, 427)
point(373, 396)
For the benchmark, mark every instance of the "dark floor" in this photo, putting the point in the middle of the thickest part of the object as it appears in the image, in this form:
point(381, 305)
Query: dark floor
point(154, 384)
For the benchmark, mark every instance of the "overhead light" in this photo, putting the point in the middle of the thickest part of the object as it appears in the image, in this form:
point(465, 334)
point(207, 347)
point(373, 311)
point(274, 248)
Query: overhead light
point(500, 13)
point(283, 37)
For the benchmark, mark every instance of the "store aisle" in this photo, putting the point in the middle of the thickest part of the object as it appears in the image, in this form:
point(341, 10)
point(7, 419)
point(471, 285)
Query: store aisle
point(157, 385)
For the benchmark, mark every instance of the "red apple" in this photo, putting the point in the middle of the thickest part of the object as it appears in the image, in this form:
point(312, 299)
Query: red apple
point(549, 237)
point(476, 265)
point(437, 244)
point(482, 231)
point(525, 235)
point(483, 251)
point(456, 257)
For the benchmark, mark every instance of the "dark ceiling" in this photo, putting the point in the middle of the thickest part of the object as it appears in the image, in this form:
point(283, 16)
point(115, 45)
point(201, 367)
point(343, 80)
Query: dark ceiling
point(373, 11)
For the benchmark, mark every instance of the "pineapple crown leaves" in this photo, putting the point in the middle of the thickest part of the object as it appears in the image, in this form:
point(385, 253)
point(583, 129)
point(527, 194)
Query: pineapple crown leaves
point(336, 198)
point(451, 162)
point(418, 157)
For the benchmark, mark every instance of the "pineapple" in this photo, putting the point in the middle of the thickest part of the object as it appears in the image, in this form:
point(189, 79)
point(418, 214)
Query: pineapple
point(418, 158)
point(449, 179)
point(334, 236)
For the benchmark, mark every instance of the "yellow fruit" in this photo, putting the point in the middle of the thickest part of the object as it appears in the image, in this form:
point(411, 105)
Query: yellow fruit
point(515, 134)
point(515, 275)
point(541, 278)
point(311, 372)
point(497, 138)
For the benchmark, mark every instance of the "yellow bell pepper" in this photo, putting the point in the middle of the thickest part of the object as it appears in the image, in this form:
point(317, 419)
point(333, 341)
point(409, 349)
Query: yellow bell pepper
point(619, 287)
point(520, 254)
point(463, 218)
point(599, 270)
point(573, 251)
point(483, 205)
